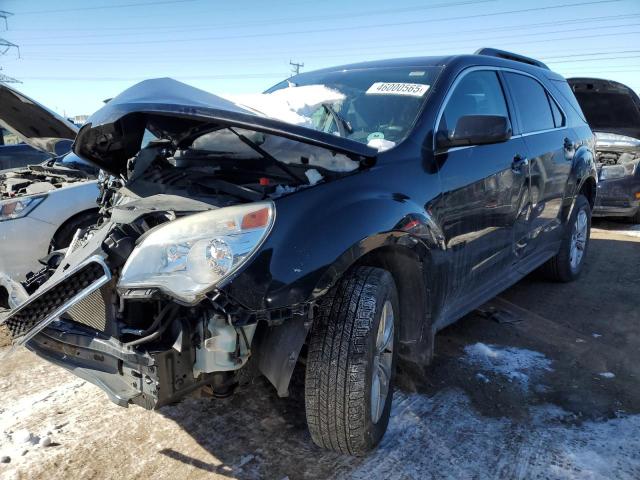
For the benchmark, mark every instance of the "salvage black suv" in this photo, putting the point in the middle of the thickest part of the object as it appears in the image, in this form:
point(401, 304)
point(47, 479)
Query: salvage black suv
point(387, 200)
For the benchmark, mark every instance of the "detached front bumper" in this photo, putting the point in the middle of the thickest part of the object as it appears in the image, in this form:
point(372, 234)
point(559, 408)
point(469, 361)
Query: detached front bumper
point(68, 321)
point(618, 197)
point(149, 379)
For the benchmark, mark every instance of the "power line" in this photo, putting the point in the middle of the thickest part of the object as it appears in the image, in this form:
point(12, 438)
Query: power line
point(165, 30)
point(594, 59)
point(331, 29)
point(231, 76)
point(104, 7)
point(413, 46)
point(314, 18)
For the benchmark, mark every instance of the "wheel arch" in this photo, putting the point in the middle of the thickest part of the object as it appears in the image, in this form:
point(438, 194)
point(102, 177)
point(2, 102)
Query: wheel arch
point(410, 277)
point(75, 218)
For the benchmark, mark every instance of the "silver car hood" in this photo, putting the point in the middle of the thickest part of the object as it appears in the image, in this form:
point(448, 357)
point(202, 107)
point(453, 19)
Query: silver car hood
point(33, 123)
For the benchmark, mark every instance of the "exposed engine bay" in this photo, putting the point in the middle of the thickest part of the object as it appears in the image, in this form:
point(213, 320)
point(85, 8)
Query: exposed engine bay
point(617, 156)
point(37, 179)
point(607, 158)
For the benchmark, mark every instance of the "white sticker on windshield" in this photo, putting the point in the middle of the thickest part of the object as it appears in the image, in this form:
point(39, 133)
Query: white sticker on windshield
point(411, 89)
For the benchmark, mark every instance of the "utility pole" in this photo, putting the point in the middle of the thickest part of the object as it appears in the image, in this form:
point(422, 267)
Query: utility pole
point(5, 46)
point(4, 15)
point(295, 67)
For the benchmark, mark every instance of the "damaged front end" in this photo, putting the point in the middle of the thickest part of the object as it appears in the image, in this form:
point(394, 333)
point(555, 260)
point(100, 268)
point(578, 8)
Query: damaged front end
point(137, 303)
point(143, 344)
point(613, 112)
point(617, 160)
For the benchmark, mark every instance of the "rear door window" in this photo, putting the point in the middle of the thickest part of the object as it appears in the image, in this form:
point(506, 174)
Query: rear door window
point(532, 103)
point(558, 116)
point(478, 93)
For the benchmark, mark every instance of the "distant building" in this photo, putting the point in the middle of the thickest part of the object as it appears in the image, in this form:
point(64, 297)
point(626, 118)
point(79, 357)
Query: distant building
point(79, 119)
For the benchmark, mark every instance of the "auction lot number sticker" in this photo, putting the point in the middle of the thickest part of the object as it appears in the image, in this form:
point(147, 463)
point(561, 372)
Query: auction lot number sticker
point(411, 89)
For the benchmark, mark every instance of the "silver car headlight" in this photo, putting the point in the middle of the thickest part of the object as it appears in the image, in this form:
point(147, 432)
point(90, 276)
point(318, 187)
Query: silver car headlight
point(187, 257)
point(618, 171)
point(19, 207)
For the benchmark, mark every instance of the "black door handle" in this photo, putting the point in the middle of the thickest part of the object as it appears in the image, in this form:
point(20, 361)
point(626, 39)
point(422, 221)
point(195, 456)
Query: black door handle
point(568, 144)
point(518, 162)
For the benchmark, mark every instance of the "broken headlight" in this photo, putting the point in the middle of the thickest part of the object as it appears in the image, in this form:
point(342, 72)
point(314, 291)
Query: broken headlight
point(19, 207)
point(188, 256)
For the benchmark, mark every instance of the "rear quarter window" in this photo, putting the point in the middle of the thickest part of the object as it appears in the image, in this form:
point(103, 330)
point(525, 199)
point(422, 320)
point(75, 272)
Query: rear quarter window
point(532, 103)
point(567, 95)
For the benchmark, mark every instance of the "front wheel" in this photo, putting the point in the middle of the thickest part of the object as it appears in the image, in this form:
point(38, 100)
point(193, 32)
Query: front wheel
point(351, 360)
point(567, 264)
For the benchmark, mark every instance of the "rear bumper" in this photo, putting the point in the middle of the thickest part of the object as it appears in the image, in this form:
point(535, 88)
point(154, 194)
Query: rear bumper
point(148, 379)
point(617, 197)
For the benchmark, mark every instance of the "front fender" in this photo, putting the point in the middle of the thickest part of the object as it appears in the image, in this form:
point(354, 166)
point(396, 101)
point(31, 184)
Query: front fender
point(583, 168)
point(320, 232)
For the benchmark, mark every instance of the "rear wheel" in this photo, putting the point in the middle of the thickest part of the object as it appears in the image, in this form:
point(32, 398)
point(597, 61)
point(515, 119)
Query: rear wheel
point(351, 360)
point(567, 264)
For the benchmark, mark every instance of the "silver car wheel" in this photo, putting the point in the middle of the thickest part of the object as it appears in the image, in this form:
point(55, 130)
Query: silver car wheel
point(382, 362)
point(578, 239)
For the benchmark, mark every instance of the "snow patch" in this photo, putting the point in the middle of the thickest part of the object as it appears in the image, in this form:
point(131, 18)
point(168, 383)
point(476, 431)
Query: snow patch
point(293, 105)
point(607, 375)
point(620, 229)
point(444, 437)
point(313, 175)
point(283, 190)
point(515, 364)
point(381, 144)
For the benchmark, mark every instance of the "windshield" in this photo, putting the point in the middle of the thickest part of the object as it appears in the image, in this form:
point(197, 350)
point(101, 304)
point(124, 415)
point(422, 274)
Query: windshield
point(377, 106)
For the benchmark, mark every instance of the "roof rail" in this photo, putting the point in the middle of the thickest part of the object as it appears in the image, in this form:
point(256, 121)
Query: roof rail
point(494, 52)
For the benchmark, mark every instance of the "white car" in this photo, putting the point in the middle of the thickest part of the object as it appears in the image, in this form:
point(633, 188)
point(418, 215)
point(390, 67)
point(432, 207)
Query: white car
point(41, 206)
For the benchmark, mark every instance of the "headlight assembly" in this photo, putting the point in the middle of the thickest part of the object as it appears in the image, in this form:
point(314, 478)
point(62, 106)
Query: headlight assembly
point(187, 257)
point(19, 207)
point(618, 171)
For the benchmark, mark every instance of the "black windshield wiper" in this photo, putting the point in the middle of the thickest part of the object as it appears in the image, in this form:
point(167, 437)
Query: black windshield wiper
point(268, 156)
point(338, 118)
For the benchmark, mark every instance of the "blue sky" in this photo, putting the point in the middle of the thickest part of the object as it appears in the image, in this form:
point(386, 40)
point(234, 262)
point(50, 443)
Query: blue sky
point(74, 53)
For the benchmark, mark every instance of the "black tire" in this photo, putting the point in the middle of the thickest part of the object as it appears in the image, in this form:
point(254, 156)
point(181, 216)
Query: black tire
point(635, 220)
point(65, 233)
point(340, 362)
point(559, 268)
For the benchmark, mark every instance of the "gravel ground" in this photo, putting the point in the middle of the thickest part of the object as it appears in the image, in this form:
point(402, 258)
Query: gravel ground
point(4, 336)
point(542, 382)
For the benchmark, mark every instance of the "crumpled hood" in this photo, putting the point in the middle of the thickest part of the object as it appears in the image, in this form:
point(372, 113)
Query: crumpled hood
point(174, 110)
point(33, 123)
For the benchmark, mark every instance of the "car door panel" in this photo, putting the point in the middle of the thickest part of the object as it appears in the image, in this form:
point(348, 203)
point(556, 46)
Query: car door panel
point(542, 126)
point(485, 190)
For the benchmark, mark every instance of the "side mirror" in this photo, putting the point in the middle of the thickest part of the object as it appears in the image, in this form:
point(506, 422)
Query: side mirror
point(475, 130)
